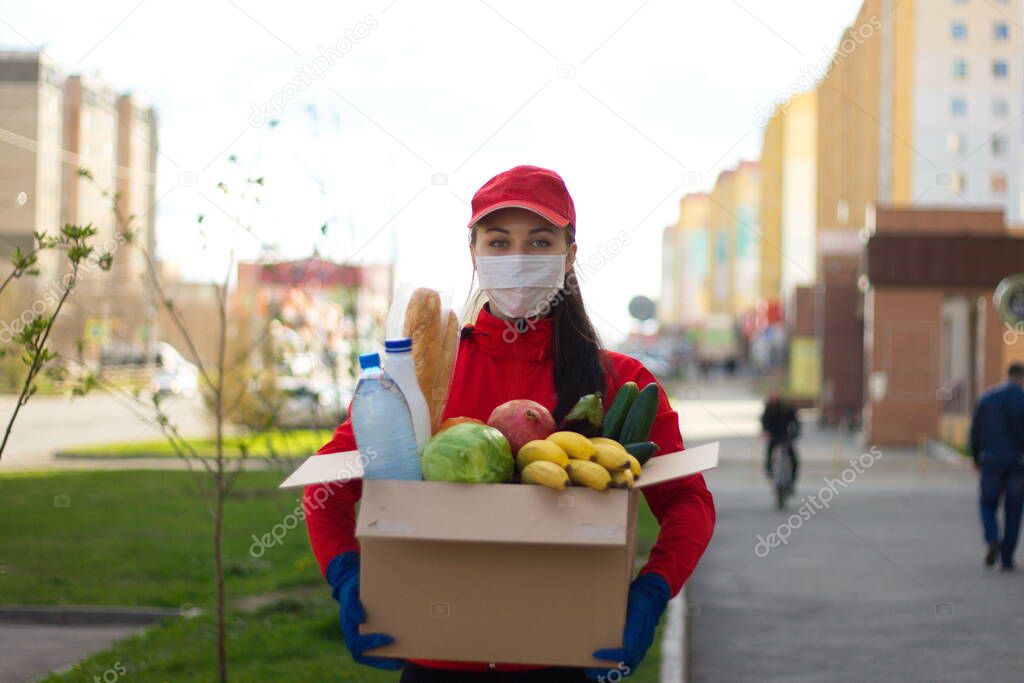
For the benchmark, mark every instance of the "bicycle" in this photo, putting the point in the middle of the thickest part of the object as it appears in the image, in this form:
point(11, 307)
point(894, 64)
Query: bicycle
point(782, 476)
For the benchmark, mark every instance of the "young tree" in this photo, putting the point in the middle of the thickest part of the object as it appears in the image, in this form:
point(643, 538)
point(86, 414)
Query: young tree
point(225, 379)
point(31, 340)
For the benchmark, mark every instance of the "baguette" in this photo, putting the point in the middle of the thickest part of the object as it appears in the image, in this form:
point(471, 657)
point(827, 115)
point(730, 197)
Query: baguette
point(423, 326)
point(449, 344)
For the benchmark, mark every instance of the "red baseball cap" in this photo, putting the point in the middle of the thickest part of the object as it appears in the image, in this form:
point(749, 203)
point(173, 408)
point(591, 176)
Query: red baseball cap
point(527, 187)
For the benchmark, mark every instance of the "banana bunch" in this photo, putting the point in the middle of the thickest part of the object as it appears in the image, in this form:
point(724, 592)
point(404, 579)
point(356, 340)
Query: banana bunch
point(566, 458)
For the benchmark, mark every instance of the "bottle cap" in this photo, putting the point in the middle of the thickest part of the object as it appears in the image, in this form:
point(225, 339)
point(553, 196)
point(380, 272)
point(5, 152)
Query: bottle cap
point(398, 345)
point(369, 360)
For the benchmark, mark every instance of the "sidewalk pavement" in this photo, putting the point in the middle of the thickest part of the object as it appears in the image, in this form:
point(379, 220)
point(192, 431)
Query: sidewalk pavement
point(884, 584)
point(29, 651)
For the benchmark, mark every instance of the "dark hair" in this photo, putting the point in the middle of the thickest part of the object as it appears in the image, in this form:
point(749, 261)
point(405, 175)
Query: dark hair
point(1015, 371)
point(575, 347)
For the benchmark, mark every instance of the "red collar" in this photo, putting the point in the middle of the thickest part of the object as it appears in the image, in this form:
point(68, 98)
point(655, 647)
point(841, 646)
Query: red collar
point(531, 340)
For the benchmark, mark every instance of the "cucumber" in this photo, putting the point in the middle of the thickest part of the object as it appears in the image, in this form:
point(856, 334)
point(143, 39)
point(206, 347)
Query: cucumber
point(642, 450)
point(616, 415)
point(637, 426)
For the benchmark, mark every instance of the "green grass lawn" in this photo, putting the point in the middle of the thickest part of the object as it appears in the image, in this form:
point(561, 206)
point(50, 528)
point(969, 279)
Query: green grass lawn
point(142, 538)
point(299, 443)
point(290, 641)
point(294, 640)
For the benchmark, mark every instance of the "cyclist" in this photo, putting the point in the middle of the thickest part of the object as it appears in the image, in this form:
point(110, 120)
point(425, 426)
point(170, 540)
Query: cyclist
point(780, 428)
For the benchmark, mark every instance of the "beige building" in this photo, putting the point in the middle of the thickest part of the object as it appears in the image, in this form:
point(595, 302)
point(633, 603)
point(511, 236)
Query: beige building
point(129, 288)
point(722, 243)
point(136, 180)
point(31, 112)
point(686, 263)
point(746, 237)
point(54, 128)
point(711, 256)
point(90, 138)
point(735, 240)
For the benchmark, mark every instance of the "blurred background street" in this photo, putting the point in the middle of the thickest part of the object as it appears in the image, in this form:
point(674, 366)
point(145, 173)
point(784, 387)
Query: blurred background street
point(884, 584)
point(208, 212)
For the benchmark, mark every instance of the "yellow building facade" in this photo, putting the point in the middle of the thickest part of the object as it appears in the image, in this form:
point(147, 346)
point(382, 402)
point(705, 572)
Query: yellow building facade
point(788, 208)
point(686, 263)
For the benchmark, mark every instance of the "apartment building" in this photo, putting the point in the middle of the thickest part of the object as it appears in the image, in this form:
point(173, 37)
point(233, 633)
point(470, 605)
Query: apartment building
point(746, 235)
point(136, 180)
point(921, 101)
point(788, 198)
point(686, 260)
point(70, 144)
point(918, 110)
point(31, 125)
point(90, 138)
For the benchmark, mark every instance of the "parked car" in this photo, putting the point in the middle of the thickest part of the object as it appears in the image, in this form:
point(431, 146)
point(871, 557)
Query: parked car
point(182, 380)
point(310, 404)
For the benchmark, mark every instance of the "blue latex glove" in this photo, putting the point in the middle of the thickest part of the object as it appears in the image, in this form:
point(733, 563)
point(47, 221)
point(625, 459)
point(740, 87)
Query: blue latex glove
point(343, 575)
point(648, 595)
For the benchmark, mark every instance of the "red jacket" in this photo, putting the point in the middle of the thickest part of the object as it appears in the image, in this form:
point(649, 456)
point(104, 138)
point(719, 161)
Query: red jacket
point(495, 365)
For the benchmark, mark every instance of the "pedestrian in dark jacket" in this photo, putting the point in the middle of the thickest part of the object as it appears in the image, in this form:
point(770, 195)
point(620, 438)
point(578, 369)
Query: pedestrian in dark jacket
point(781, 429)
point(997, 445)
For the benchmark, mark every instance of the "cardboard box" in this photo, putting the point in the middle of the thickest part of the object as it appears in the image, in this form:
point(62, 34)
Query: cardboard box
point(497, 572)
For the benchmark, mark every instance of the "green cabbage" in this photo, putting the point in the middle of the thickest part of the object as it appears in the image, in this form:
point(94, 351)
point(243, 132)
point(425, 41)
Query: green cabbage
point(469, 453)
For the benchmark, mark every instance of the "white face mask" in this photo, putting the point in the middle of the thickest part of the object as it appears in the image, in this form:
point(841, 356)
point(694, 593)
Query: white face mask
point(521, 286)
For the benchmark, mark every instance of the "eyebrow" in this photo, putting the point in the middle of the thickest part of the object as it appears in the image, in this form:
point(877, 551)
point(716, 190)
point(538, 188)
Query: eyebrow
point(533, 231)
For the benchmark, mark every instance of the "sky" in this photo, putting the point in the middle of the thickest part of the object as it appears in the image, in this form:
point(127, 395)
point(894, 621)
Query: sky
point(380, 119)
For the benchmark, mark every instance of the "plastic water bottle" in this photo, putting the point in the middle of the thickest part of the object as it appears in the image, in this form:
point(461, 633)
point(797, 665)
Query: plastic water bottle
point(383, 425)
point(399, 366)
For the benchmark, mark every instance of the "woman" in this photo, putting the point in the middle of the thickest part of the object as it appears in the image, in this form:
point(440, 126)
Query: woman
point(532, 340)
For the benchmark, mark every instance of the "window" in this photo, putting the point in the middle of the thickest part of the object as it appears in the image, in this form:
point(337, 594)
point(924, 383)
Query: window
point(959, 30)
point(1000, 69)
point(958, 181)
point(958, 106)
point(956, 143)
point(999, 184)
point(998, 145)
point(842, 211)
point(960, 68)
point(1001, 31)
point(1000, 107)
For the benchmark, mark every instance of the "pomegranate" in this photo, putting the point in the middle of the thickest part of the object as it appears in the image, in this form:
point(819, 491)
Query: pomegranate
point(522, 420)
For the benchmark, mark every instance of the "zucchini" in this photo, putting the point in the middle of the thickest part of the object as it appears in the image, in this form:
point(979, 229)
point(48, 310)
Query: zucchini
point(640, 418)
point(616, 414)
point(642, 450)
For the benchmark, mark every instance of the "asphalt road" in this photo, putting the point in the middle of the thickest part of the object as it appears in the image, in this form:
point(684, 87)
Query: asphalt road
point(49, 423)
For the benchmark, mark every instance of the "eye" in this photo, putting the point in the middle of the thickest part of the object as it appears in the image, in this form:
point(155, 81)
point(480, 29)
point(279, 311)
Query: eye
point(540, 244)
point(498, 243)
